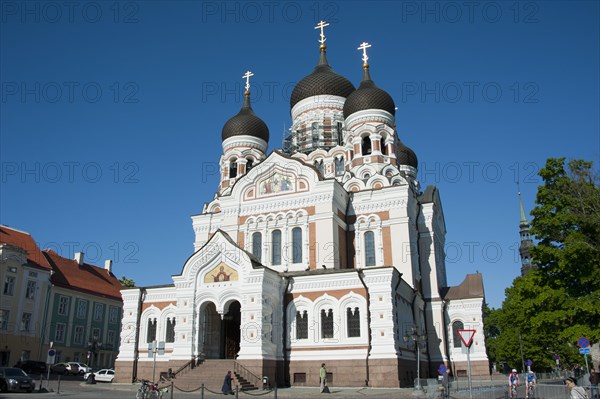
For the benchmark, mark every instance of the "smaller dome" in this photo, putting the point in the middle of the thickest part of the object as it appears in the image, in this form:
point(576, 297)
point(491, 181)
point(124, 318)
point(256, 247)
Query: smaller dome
point(368, 96)
point(245, 123)
point(406, 156)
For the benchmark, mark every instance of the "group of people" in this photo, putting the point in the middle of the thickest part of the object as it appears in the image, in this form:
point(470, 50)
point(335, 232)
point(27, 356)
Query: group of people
point(575, 392)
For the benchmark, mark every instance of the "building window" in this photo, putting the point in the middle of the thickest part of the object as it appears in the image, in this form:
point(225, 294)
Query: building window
point(63, 305)
point(369, 248)
point(366, 145)
point(170, 337)
point(151, 336)
point(257, 245)
point(339, 166)
point(59, 335)
point(319, 166)
point(384, 150)
point(9, 285)
point(98, 310)
point(110, 339)
point(315, 134)
point(249, 164)
point(26, 322)
point(276, 242)
point(302, 325)
point(233, 168)
point(96, 336)
point(297, 245)
point(81, 309)
point(353, 320)
point(114, 315)
point(340, 134)
point(78, 335)
point(4, 314)
point(457, 325)
point(30, 291)
point(326, 323)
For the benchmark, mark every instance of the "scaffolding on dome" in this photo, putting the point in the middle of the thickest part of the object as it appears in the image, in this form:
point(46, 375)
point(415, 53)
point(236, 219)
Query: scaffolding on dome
point(309, 138)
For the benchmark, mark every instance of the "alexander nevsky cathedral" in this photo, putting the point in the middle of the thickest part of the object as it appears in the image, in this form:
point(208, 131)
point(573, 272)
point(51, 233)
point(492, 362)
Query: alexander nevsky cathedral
point(326, 250)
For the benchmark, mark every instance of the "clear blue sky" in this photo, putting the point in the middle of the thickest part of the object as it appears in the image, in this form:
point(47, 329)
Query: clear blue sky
point(112, 112)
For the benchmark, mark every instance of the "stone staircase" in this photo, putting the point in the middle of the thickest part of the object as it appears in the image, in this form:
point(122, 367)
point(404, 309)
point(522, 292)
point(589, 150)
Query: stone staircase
point(211, 373)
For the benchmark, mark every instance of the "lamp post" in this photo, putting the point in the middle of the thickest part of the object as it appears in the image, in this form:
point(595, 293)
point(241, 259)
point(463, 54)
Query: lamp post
point(418, 339)
point(93, 346)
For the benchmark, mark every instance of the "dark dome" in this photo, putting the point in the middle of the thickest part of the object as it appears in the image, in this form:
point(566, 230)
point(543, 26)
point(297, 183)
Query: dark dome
point(245, 123)
point(368, 96)
point(321, 81)
point(406, 156)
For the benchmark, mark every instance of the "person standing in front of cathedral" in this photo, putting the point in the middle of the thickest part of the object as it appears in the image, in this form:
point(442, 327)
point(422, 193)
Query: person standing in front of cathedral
point(226, 388)
point(323, 378)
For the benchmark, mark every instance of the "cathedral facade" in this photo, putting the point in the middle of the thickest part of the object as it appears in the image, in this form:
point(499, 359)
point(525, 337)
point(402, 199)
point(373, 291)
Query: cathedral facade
point(325, 250)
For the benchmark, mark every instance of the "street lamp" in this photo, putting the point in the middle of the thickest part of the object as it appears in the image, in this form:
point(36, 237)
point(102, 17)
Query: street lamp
point(93, 347)
point(418, 339)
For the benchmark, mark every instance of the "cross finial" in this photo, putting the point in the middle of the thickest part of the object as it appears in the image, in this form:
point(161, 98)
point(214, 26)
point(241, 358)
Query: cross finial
point(364, 46)
point(247, 77)
point(322, 25)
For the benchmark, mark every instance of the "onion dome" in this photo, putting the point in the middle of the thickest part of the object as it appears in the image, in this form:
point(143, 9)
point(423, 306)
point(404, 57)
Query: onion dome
point(368, 96)
point(406, 156)
point(245, 123)
point(321, 81)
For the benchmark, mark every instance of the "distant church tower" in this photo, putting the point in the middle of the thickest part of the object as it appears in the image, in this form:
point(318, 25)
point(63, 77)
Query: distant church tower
point(526, 242)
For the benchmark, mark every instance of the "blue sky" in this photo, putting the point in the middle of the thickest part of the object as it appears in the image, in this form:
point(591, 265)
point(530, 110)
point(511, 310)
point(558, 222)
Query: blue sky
point(111, 112)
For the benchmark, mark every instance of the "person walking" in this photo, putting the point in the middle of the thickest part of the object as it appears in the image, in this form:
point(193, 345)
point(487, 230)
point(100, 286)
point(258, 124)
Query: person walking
point(594, 379)
point(576, 392)
point(226, 388)
point(323, 378)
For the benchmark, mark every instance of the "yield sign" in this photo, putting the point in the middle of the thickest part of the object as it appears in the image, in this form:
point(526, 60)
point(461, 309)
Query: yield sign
point(466, 336)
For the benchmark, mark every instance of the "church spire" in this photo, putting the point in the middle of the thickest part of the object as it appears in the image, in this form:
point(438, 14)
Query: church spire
point(526, 241)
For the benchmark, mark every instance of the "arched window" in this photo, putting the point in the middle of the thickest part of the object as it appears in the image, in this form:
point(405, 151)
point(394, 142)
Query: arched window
point(233, 168)
point(326, 323)
point(366, 145)
point(353, 321)
point(339, 166)
point(249, 164)
point(301, 325)
point(457, 325)
point(369, 248)
point(383, 146)
point(315, 134)
point(340, 134)
point(151, 336)
point(319, 165)
point(276, 250)
point(296, 245)
point(170, 336)
point(257, 245)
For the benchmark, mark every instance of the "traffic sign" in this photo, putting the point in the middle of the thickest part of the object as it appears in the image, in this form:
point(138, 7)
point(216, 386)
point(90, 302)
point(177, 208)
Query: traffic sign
point(529, 362)
point(442, 369)
point(583, 342)
point(556, 357)
point(50, 357)
point(584, 351)
point(466, 336)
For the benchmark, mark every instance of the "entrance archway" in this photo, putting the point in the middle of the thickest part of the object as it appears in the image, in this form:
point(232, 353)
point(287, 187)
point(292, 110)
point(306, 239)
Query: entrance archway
point(230, 328)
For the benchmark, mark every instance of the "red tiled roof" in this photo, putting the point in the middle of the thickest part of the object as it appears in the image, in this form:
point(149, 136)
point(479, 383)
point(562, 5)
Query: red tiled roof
point(85, 278)
point(25, 241)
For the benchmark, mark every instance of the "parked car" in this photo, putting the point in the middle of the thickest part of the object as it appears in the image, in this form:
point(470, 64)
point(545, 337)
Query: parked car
point(32, 367)
point(64, 368)
point(15, 379)
point(104, 375)
point(81, 367)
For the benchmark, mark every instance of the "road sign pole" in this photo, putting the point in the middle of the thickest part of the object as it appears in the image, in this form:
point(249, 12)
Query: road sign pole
point(469, 368)
point(587, 367)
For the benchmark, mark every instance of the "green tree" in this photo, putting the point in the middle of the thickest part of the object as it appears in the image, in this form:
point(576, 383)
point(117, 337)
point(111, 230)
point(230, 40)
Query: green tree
point(548, 309)
point(127, 282)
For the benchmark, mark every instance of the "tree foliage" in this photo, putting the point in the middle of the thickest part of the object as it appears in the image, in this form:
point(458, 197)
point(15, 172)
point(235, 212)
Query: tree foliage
point(127, 282)
point(549, 308)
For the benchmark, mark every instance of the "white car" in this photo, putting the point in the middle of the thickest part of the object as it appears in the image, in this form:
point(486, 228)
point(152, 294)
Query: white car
point(104, 375)
point(82, 367)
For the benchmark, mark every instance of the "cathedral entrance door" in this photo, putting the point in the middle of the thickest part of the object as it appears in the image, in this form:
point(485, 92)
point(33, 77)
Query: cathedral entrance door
point(230, 344)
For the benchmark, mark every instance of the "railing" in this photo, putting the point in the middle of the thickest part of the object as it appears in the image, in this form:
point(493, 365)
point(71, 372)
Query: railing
point(188, 366)
point(247, 374)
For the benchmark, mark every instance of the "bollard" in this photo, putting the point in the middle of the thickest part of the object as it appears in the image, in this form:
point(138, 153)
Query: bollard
point(202, 392)
point(41, 382)
point(275, 391)
point(172, 386)
point(58, 389)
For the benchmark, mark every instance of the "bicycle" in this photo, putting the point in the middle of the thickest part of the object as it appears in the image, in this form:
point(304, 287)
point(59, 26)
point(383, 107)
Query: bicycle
point(513, 391)
point(149, 390)
point(530, 391)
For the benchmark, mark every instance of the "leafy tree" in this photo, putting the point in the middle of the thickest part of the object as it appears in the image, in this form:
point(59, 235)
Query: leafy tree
point(127, 282)
point(549, 308)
